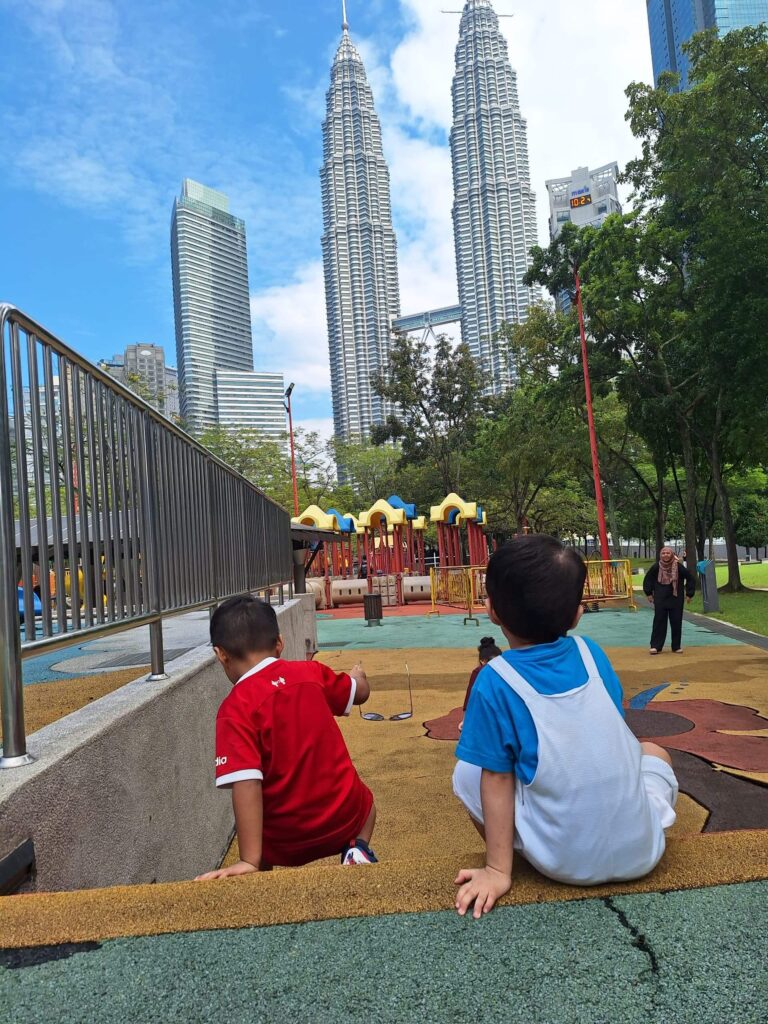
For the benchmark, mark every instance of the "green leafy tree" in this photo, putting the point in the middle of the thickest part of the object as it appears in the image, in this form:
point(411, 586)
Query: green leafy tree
point(437, 395)
point(675, 292)
point(751, 522)
point(371, 470)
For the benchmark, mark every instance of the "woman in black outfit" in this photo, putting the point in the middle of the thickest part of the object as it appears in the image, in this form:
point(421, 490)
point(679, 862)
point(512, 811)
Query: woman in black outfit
point(663, 585)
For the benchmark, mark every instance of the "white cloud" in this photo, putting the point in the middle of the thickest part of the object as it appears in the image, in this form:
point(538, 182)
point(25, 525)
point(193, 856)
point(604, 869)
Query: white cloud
point(323, 426)
point(290, 332)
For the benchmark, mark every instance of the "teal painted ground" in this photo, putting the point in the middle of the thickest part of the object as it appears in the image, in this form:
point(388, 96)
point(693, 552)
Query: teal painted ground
point(675, 959)
point(608, 628)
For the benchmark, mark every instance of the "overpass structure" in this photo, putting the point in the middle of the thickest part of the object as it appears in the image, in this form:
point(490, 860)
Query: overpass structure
point(428, 321)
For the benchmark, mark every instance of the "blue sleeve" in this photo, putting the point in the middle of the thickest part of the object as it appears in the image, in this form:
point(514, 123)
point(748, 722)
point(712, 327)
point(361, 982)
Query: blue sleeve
point(606, 670)
point(483, 741)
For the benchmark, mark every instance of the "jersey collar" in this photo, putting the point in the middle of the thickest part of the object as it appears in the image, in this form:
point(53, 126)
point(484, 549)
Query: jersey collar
point(257, 668)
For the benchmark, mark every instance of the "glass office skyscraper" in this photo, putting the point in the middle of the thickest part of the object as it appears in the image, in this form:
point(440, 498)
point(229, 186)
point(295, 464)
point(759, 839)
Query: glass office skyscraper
point(671, 23)
point(359, 246)
point(494, 212)
point(211, 299)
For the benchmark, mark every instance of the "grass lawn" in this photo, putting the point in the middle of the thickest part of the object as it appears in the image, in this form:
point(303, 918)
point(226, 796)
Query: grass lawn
point(753, 574)
point(748, 610)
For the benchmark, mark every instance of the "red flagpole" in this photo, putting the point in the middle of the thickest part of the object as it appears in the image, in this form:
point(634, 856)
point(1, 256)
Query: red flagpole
point(606, 551)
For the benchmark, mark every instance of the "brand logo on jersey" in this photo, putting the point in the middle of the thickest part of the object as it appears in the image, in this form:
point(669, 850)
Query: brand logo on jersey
point(278, 682)
point(220, 762)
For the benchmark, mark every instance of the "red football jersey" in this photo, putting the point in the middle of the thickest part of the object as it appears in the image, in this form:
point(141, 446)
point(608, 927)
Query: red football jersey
point(278, 725)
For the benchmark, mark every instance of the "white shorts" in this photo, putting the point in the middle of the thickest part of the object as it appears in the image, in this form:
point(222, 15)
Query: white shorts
point(661, 786)
point(658, 778)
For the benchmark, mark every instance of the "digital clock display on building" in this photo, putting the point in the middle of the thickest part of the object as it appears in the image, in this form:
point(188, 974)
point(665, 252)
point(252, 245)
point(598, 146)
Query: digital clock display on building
point(585, 200)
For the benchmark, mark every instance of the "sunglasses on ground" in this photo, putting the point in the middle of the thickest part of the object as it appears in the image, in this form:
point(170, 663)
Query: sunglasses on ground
point(372, 716)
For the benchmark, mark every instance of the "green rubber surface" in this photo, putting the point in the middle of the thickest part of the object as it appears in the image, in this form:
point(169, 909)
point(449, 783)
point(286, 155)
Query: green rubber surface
point(685, 957)
point(608, 628)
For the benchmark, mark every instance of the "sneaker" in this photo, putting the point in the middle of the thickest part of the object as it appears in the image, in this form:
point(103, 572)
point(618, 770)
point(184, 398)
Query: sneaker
point(358, 852)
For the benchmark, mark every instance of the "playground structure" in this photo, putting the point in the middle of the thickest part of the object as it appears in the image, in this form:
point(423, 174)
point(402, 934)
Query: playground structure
point(459, 580)
point(383, 550)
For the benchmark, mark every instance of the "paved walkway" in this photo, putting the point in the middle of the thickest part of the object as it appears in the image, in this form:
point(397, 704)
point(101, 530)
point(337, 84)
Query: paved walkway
point(122, 650)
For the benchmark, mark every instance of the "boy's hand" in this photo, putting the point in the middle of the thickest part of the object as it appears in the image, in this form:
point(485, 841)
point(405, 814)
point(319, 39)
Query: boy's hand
point(358, 671)
point(483, 887)
point(241, 868)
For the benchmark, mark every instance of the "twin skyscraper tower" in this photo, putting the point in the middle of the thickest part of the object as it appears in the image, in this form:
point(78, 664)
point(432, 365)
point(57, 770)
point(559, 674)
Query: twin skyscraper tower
point(494, 217)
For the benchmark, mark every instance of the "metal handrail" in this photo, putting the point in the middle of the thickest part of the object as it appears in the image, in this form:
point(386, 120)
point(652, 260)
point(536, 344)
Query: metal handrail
point(110, 513)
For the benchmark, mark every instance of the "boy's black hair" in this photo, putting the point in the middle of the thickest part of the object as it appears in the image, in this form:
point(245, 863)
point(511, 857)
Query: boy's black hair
point(488, 649)
point(536, 585)
point(244, 625)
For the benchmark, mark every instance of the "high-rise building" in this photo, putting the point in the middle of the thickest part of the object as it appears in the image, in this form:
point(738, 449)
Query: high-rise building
point(211, 299)
point(359, 246)
point(585, 198)
point(171, 399)
point(494, 212)
point(252, 401)
point(142, 368)
point(671, 23)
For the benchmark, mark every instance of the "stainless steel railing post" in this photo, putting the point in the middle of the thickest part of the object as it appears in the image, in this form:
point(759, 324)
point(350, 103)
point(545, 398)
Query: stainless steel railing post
point(11, 683)
point(151, 567)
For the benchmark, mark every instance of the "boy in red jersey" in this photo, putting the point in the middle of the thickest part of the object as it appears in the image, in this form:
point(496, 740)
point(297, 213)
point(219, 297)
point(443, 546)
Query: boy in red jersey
point(295, 792)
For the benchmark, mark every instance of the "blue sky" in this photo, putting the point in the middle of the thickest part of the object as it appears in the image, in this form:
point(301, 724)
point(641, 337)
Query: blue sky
point(105, 105)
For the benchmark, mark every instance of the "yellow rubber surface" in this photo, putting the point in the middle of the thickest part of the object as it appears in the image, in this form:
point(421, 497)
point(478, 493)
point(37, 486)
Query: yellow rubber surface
point(422, 834)
point(45, 703)
point(322, 893)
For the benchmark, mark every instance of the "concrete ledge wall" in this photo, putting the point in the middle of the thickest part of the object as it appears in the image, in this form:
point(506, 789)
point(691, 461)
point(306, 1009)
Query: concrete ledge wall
point(122, 791)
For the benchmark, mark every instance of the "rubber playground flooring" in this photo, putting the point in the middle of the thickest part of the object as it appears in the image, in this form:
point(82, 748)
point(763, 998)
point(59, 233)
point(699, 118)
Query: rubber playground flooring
point(610, 628)
point(327, 943)
point(679, 958)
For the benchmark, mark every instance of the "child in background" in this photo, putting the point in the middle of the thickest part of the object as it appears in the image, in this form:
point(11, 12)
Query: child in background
point(295, 792)
point(547, 764)
point(486, 652)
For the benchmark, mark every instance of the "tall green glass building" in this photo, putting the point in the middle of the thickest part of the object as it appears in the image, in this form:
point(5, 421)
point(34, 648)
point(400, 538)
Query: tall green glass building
point(671, 23)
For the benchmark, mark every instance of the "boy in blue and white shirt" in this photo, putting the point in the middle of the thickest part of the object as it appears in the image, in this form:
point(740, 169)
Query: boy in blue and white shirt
point(547, 764)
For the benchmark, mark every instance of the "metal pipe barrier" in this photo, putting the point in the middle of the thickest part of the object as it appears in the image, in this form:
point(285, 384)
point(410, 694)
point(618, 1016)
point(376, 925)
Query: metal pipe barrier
point(458, 587)
point(111, 517)
point(608, 582)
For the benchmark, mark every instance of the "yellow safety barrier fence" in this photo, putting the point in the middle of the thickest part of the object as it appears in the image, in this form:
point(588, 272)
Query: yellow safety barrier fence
point(609, 582)
point(463, 587)
point(459, 587)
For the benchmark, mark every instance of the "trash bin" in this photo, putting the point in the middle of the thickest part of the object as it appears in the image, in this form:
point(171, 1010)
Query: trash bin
point(708, 581)
point(373, 609)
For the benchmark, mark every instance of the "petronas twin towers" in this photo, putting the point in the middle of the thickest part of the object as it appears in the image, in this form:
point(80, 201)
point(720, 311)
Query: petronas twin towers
point(493, 216)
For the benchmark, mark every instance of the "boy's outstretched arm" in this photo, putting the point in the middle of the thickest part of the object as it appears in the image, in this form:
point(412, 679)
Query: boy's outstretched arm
point(484, 886)
point(363, 688)
point(248, 807)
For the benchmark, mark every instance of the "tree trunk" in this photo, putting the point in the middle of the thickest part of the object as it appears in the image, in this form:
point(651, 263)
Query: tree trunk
point(729, 532)
point(661, 519)
point(689, 507)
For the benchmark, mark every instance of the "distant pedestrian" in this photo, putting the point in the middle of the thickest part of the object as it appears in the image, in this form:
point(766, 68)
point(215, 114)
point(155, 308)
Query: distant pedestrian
point(667, 584)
